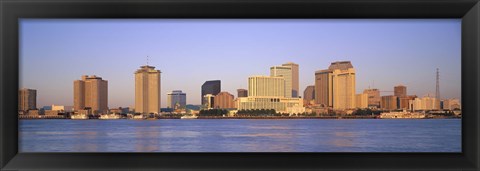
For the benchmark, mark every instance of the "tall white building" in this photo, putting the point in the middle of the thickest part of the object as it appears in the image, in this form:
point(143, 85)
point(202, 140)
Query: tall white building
point(147, 90)
point(268, 92)
point(289, 72)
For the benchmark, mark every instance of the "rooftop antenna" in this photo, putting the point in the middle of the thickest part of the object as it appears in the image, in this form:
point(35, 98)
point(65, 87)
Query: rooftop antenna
point(147, 60)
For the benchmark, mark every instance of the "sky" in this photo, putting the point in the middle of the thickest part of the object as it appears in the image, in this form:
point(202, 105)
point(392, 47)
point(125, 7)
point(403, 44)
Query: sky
point(188, 52)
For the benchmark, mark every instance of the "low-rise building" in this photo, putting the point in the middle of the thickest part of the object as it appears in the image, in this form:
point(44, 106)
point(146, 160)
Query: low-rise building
point(280, 104)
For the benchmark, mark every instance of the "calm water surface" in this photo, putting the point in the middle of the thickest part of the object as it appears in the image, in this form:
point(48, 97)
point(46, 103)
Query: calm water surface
point(242, 135)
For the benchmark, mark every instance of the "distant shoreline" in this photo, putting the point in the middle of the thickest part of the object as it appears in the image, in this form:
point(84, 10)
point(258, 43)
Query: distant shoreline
point(243, 117)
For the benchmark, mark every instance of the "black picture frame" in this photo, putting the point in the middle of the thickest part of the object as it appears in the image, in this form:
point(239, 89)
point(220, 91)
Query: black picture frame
point(12, 10)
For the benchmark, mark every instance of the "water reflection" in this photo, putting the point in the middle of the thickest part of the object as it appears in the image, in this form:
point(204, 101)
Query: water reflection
point(240, 136)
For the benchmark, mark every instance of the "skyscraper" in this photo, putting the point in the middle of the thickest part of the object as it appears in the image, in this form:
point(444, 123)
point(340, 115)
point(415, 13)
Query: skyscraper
point(91, 92)
point(400, 91)
point(176, 99)
point(335, 86)
point(266, 86)
point(308, 94)
point(224, 100)
point(242, 93)
point(289, 72)
point(295, 78)
point(27, 99)
point(147, 90)
point(212, 87)
point(286, 73)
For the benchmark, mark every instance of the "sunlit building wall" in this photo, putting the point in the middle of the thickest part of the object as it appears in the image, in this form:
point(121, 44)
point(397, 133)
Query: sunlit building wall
point(27, 99)
point(147, 90)
point(280, 104)
point(335, 86)
point(91, 92)
point(451, 104)
point(224, 100)
point(209, 101)
point(389, 102)
point(373, 97)
point(266, 86)
point(361, 101)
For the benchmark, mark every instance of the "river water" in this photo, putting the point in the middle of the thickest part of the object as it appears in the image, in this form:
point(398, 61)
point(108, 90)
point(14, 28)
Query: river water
point(241, 135)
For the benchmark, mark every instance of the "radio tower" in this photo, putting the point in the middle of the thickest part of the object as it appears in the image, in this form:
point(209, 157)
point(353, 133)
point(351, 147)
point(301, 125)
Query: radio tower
point(437, 93)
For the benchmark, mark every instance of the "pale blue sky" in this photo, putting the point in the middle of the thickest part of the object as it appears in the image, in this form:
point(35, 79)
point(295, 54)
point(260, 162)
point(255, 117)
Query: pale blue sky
point(54, 53)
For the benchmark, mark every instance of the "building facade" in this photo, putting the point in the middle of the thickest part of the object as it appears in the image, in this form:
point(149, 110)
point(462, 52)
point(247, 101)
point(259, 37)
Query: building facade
point(91, 92)
point(176, 99)
point(335, 86)
point(27, 99)
point(451, 104)
point(373, 97)
point(424, 103)
point(361, 101)
point(400, 91)
point(242, 93)
point(280, 104)
point(295, 78)
point(289, 71)
point(224, 100)
point(284, 72)
point(389, 102)
point(209, 101)
point(212, 87)
point(403, 102)
point(266, 86)
point(309, 95)
point(147, 90)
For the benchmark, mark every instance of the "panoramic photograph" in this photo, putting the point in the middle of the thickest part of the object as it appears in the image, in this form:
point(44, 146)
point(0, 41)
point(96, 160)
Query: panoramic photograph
point(240, 85)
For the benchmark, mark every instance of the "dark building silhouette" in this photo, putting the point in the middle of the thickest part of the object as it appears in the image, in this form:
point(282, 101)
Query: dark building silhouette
point(210, 87)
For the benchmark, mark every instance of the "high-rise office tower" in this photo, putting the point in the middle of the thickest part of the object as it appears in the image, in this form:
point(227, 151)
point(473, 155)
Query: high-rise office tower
point(400, 91)
point(335, 86)
point(295, 78)
point(289, 72)
point(147, 90)
point(176, 99)
point(242, 93)
point(91, 92)
point(224, 100)
point(212, 87)
point(266, 86)
point(309, 94)
point(27, 99)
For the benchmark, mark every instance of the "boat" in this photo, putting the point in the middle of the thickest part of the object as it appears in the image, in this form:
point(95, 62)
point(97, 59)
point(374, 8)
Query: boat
point(189, 117)
point(110, 116)
point(79, 116)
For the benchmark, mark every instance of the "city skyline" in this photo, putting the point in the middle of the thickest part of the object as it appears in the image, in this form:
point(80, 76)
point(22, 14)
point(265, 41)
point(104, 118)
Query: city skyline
point(418, 76)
